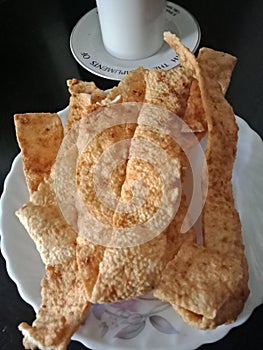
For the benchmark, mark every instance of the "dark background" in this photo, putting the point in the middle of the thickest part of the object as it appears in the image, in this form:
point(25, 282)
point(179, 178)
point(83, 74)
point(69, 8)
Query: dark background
point(35, 62)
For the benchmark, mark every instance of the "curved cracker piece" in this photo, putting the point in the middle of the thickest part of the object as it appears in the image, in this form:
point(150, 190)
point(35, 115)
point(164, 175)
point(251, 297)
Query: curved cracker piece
point(130, 89)
point(187, 59)
point(42, 218)
point(169, 89)
point(114, 274)
point(85, 98)
point(89, 257)
point(204, 286)
point(64, 306)
point(129, 272)
point(220, 66)
point(221, 223)
point(219, 214)
point(138, 168)
point(64, 298)
point(76, 86)
point(175, 239)
point(208, 285)
point(54, 238)
point(80, 107)
point(35, 132)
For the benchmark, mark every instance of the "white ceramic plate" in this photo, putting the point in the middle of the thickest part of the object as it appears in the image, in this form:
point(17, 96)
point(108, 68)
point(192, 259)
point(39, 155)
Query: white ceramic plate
point(143, 323)
point(88, 50)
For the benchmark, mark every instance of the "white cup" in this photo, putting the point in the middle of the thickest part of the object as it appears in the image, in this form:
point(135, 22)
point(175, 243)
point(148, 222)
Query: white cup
point(132, 29)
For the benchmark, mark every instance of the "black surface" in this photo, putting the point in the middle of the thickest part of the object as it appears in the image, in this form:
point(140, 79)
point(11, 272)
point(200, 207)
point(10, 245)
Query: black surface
point(35, 62)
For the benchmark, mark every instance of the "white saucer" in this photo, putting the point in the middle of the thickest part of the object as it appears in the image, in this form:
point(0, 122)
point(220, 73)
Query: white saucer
point(88, 49)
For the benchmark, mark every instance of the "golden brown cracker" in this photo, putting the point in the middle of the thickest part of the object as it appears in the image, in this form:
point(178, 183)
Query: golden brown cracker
point(54, 238)
point(63, 308)
point(129, 272)
point(219, 66)
point(85, 98)
point(76, 86)
point(80, 107)
point(200, 282)
point(206, 285)
point(221, 263)
point(187, 59)
point(64, 298)
point(130, 89)
point(138, 267)
point(175, 238)
point(35, 132)
point(89, 257)
point(220, 214)
point(169, 89)
point(88, 158)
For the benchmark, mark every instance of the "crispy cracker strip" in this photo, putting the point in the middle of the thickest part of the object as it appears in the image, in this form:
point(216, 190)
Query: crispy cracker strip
point(76, 86)
point(35, 132)
point(203, 286)
point(85, 98)
point(87, 161)
point(188, 61)
point(169, 89)
point(115, 261)
point(54, 238)
point(220, 214)
point(104, 268)
point(129, 272)
point(140, 169)
point(130, 89)
point(64, 306)
point(142, 263)
point(208, 285)
point(175, 239)
point(220, 66)
point(139, 267)
point(64, 299)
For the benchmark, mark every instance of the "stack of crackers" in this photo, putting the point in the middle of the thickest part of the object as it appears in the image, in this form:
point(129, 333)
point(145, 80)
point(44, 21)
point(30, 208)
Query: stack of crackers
point(206, 284)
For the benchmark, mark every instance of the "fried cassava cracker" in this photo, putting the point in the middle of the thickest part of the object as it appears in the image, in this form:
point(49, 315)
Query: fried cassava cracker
point(207, 285)
point(39, 136)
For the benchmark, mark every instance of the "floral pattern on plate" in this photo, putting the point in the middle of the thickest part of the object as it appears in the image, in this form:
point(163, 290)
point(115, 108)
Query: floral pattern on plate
point(124, 319)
